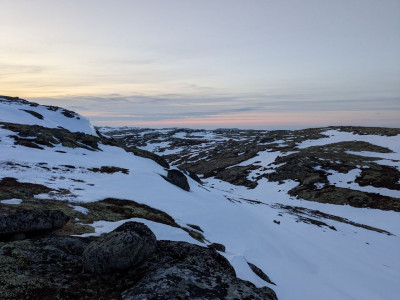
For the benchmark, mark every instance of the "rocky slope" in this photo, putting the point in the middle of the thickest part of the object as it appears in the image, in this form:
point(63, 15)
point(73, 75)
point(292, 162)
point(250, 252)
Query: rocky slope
point(240, 230)
point(246, 157)
point(127, 263)
point(40, 259)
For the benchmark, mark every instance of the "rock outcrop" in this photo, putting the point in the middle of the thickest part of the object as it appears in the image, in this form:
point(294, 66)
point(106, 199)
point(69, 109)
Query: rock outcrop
point(26, 223)
point(180, 270)
point(125, 247)
point(50, 267)
point(216, 246)
point(179, 179)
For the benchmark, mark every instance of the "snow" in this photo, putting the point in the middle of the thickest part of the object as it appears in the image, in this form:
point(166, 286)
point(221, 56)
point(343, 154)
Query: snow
point(305, 261)
point(242, 269)
point(388, 159)
point(11, 201)
point(297, 256)
point(335, 136)
point(80, 209)
point(161, 231)
point(346, 180)
point(180, 135)
point(12, 112)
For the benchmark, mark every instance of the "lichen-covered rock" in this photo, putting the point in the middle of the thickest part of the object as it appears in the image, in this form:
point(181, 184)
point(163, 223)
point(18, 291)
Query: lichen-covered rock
point(25, 223)
point(41, 268)
point(125, 247)
point(50, 267)
point(180, 270)
point(179, 179)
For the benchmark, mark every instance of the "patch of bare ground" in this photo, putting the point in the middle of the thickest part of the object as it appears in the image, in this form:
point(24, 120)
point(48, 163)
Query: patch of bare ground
point(109, 170)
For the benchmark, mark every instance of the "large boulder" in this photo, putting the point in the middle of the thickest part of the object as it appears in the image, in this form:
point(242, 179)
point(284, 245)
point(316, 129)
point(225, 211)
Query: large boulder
point(179, 179)
point(179, 270)
point(50, 267)
point(26, 223)
point(125, 247)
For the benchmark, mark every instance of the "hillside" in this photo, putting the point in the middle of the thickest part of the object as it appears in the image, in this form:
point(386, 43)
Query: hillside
point(250, 198)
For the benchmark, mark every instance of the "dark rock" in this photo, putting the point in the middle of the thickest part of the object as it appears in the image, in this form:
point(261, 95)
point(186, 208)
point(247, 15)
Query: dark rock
point(26, 223)
point(50, 267)
point(42, 268)
point(33, 113)
point(192, 175)
point(179, 179)
point(216, 246)
point(125, 247)
point(147, 154)
point(196, 227)
point(380, 176)
point(68, 113)
point(109, 170)
point(277, 222)
point(180, 270)
point(237, 175)
point(195, 177)
point(36, 136)
point(260, 273)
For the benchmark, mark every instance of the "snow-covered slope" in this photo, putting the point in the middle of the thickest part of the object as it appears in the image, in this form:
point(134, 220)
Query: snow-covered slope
point(15, 110)
point(331, 260)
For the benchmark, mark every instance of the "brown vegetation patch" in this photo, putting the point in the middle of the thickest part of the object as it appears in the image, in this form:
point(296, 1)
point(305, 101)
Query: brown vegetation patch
point(380, 176)
point(109, 170)
point(369, 130)
point(12, 188)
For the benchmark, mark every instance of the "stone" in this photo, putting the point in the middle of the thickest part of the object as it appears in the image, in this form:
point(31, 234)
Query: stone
point(125, 247)
point(260, 273)
point(180, 270)
point(27, 223)
point(179, 179)
point(216, 246)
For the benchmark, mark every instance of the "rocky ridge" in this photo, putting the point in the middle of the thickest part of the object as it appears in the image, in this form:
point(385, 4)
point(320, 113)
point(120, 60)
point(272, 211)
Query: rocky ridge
point(127, 263)
point(40, 259)
point(227, 154)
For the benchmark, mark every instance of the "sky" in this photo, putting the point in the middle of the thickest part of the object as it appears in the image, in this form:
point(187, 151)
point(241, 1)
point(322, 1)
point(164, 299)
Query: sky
point(206, 64)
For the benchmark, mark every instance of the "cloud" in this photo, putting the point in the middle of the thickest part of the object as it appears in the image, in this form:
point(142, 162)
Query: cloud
point(182, 108)
point(17, 69)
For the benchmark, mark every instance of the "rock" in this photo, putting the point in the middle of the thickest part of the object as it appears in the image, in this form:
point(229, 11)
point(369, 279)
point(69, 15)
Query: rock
point(179, 179)
point(180, 270)
point(147, 154)
point(42, 268)
point(216, 246)
point(196, 227)
point(260, 273)
point(27, 223)
point(238, 175)
point(195, 177)
point(192, 175)
point(50, 267)
point(127, 246)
